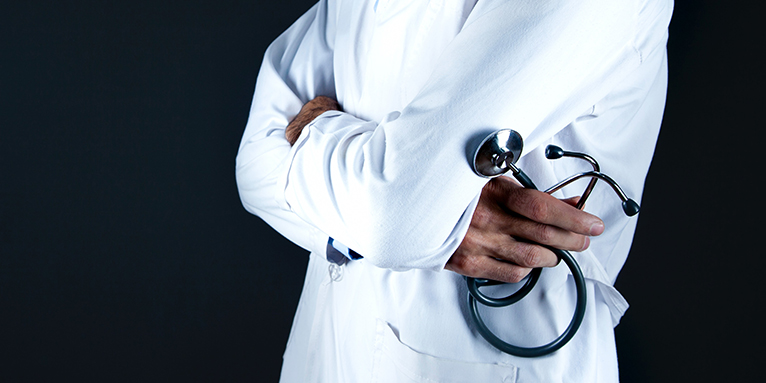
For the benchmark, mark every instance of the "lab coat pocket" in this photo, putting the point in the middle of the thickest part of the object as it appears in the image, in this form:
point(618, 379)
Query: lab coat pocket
point(395, 362)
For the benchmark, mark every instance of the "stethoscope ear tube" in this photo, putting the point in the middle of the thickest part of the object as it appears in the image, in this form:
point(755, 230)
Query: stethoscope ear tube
point(530, 352)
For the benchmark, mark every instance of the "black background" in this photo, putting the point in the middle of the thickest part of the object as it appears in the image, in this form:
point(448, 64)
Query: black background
point(125, 254)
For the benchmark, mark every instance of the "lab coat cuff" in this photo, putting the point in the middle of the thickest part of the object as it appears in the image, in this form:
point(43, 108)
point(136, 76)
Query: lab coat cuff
point(282, 189)
point(457, 235)
point(318, 238)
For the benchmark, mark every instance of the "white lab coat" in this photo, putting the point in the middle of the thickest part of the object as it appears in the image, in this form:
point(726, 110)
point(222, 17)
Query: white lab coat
point(420, 83)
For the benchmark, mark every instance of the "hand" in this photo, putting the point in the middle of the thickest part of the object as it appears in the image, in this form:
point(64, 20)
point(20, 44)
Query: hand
point(308, 113)
point(508, 216)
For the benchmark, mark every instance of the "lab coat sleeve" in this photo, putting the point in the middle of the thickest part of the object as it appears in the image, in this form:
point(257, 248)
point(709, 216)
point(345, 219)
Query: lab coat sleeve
point(297, 67)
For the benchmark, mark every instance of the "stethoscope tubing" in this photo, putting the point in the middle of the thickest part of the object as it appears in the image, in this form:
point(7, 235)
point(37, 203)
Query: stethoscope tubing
point(530, 352)
point(475, 296)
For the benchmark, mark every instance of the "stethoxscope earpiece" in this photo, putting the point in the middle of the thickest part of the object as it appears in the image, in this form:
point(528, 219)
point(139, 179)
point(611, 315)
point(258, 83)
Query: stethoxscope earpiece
point(553, 152)
point(497, 154)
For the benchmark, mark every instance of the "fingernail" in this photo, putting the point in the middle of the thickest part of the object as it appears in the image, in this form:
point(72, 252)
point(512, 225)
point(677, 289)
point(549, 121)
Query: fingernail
point(597, 228)
point(586, 244)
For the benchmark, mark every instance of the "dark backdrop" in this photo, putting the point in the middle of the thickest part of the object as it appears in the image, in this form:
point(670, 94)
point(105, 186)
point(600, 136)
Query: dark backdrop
point(125, 254)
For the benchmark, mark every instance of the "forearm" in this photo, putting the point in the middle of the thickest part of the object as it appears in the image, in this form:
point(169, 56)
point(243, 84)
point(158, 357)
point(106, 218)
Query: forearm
point(282, 87)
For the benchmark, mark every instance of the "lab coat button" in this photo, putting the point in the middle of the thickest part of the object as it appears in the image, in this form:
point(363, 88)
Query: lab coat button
point(336, 272)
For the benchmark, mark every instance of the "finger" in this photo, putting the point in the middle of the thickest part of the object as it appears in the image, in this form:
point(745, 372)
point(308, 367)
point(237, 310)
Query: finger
point(543, 208)
point(524, 254)
point(547, 235)
point(499, 221)
point(488, 268)
point(501, 246)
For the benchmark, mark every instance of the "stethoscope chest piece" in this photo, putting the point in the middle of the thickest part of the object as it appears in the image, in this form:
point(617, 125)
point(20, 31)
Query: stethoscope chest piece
point(496, 151)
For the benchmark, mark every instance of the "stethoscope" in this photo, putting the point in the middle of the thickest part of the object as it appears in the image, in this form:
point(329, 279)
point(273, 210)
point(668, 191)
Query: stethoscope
point(497, 154)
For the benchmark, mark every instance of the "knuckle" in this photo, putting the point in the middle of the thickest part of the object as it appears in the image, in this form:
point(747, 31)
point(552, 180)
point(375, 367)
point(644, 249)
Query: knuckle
point(516, 274)
point(481, 215)
point(531, 204)
point(470, 266)
point(545, 233)
point(538, 209)
point(467, 264)
point(531, 256)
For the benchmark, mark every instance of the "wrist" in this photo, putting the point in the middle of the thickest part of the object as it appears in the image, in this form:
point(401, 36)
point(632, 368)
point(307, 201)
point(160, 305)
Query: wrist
point(310, 111)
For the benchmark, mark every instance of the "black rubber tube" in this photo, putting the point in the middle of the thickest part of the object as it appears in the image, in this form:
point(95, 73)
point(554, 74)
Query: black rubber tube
point(574, 324)
point(475, 296)
point(473, 288)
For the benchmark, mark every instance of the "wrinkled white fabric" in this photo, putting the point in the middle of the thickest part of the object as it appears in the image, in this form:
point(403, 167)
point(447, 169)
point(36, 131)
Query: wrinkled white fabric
point(421, 82)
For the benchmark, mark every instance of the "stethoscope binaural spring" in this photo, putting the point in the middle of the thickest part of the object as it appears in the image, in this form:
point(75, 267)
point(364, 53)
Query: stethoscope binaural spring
point(497, 154)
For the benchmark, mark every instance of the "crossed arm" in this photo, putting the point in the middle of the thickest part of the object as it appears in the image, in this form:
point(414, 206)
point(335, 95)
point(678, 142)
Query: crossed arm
point(508, 225)
point(345, 176)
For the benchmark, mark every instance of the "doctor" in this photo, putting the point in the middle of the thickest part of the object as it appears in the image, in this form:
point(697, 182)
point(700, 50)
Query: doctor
point(386, 171)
